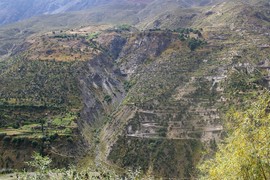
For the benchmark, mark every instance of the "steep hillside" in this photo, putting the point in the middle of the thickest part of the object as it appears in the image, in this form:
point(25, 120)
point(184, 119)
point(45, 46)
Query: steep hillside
point(118, 61)
point(152, 98)
point(176, 98)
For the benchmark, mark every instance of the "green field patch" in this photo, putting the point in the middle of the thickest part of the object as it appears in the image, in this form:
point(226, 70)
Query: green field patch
point(67, 120)
point(13, 132)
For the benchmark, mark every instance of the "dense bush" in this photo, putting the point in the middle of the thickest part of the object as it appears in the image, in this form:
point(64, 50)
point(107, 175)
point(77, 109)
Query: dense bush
point(107, 98)
point(34, 143)
point(7, 139)
point(194, 43)
point(124, 27)
point(2, 135)
point(127, 85)
point(245, 152)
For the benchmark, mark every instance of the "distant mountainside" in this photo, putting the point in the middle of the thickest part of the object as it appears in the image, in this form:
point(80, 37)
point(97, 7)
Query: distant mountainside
point(66, 14)
point(16, 10)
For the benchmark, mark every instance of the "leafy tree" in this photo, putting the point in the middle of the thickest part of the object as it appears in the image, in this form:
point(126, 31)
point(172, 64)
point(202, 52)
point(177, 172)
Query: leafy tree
point(41, 166)
point(245, 154)
point(194, 43)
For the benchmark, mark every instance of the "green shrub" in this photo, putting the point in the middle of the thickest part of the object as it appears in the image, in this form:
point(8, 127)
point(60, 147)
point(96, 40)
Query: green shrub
point(7, 139)
point(127, 85)
point(2, 135)
point(195, 43)
point(16, 125)
point(68, 131)
point(93, 35)
point(162, 132)
point(70, 139)
point(34, 143)
point(124, 27)
point(181, 37)
point(107, 98)
point(54, 136)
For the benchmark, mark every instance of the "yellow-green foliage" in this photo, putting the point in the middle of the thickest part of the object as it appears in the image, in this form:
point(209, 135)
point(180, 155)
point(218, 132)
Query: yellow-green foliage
point(245, 154)
point(66, 120)
point(93, 36)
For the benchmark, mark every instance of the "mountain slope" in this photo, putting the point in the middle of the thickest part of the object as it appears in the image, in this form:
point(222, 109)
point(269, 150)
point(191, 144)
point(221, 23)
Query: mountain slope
point(101, 12)
point(153, 98)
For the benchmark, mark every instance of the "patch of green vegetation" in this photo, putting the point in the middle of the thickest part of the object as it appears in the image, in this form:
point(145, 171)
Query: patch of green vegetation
point(67, 131)
point(65, 120)
point(162, 153)
point(93, 36)
point(127, 85)
point(107, 98)
point(242, 81)
point(194, 43)
point(2, 135)
point(162, 132)
point(65, 36)
point(123, 27)
point(7, 139)
point(38, 90)
point(40, 83)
